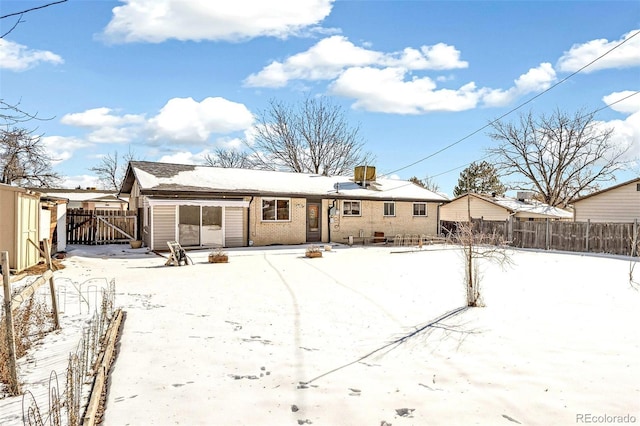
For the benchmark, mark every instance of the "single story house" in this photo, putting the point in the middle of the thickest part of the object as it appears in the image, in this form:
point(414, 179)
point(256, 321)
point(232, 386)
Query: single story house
point(89, 199)
point(19, 226)
point(202, 206)
point(490, 207)
point(617, 204)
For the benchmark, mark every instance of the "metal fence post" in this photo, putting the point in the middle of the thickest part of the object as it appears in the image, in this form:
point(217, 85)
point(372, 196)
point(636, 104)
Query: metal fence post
point(54, 301)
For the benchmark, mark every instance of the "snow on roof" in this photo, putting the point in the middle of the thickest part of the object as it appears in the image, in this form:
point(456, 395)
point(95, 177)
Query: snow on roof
point(532, 207)
point(175, 177)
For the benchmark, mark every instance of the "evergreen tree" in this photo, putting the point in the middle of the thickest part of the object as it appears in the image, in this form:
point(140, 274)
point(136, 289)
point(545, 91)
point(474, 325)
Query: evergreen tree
point(479, 178)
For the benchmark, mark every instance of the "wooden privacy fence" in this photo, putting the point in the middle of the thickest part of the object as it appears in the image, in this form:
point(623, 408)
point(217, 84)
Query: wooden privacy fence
point(590, 237)
point(101, 226)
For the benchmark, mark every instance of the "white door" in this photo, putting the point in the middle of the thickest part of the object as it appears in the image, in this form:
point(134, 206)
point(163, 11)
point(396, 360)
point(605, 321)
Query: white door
point(212, 226)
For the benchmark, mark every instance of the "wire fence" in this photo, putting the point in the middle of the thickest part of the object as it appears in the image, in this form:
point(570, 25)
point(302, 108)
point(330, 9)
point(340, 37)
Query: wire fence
point(67, 408)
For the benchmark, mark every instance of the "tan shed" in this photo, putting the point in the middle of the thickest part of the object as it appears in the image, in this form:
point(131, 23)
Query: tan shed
point(19, 222)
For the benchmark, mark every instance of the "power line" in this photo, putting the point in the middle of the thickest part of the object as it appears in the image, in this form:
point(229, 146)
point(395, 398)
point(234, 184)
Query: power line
point(451, 145)
point(487, 156)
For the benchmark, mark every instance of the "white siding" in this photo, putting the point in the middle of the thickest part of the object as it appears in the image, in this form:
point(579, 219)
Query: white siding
point(233, 227)
point(621, 204)
point(164, 226)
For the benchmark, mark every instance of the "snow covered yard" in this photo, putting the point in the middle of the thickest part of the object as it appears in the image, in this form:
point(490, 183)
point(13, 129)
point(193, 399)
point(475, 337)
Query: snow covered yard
point(274, 338)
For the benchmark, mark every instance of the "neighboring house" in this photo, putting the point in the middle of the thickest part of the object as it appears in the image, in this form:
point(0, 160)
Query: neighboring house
point(89, 199)
point(489, 207)
point(19, 226)
point(202, 206)
point(617, 204)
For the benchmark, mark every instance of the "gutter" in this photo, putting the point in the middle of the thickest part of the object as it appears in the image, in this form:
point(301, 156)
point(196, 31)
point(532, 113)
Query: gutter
point(249, 221)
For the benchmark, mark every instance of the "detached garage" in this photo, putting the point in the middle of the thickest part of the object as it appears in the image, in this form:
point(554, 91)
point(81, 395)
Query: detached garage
point(19, 222)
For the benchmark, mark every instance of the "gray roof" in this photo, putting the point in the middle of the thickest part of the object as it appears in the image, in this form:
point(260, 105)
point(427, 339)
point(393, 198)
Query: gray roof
point(164, 179)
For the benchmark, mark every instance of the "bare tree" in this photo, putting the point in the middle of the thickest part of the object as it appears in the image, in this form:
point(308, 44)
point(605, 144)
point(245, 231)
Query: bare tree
point(562, 156)
point(478, 247)
point(229, 158)
point(426, 183)
point(112, 169)
point(312, 137)
point(24, 160)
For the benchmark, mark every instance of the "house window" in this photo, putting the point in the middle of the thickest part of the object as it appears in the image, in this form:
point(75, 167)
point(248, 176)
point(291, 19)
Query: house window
point(351, 208)
point(419, 209)
point(389, 208)
point(276, 209)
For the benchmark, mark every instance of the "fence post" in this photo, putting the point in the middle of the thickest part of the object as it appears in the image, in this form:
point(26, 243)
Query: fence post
point(586, 245)
point(636, 237)
point(52, 288)
point(547, 237)
point(14, 385)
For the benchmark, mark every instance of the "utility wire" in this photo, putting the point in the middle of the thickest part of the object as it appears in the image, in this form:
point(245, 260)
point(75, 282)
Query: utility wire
point(489, 155)
point(451, 145)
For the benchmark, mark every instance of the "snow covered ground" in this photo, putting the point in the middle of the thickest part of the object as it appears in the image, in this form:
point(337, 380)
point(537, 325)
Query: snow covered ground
point(274, 338)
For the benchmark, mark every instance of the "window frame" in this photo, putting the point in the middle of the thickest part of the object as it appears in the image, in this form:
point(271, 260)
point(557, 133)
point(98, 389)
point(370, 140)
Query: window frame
point(384, 208)
point(426, 209)
point(351, 209)
point(275, 200)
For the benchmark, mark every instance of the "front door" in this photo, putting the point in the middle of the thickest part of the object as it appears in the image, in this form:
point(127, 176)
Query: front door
point(314, 221)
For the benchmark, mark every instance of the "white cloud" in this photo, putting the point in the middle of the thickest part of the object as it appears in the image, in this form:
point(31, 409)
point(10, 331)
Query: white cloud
point(184, 157)
point(627, 101)
point(100, 117)
point(17, 57)
point(158, 20)
point(627, 55)
point(626, 131)
point(534, 80)
point(184, 119)
point(331, 56)
point(386, 90)
point(437, 57)
point(81, 181)
point(61, 148)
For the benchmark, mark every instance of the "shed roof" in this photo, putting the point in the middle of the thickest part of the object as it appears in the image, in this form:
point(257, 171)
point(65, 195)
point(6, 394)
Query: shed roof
point(635, 180)
point(166, 178)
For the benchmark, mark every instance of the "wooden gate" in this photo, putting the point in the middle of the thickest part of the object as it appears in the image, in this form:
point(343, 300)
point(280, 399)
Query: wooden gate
point(101, 226)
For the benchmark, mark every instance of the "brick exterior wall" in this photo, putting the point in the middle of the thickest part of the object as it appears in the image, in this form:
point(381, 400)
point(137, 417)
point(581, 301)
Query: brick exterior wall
point(293, 231)
point(372, 220)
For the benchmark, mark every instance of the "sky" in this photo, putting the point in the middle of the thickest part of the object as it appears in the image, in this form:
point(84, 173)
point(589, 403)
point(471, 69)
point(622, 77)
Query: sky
point(172, 80)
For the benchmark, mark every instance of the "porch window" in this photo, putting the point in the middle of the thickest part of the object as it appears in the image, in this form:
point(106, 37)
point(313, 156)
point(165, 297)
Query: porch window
point(389, 208)
point(351, 208)
point(276, 209)
point(419, 209)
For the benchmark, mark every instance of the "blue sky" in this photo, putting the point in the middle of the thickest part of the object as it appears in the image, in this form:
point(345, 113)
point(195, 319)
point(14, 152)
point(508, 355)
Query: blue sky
point(174, 79)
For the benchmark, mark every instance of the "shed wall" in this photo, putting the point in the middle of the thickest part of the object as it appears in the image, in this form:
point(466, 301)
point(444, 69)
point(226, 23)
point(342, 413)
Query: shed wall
point(457, 210)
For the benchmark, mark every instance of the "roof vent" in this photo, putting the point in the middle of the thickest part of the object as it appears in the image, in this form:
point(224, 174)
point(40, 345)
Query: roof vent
point(524, 196)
